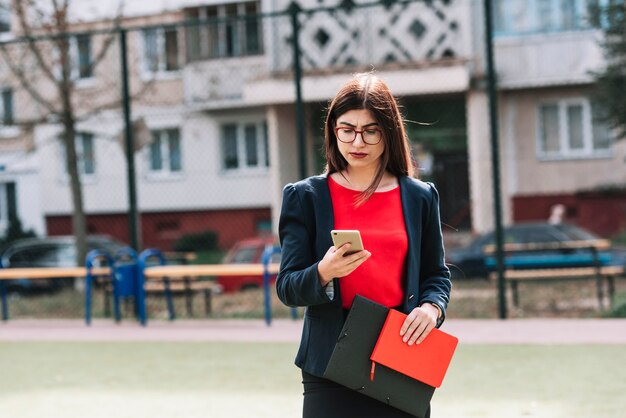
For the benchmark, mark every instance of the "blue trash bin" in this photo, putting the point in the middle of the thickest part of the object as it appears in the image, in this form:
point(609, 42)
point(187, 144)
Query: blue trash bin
point(128, 283)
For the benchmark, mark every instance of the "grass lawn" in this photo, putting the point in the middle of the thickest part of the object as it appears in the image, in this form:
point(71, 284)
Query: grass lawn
point(214, 380)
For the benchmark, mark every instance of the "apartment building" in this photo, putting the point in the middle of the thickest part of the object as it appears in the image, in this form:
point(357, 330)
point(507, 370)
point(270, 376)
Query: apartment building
point(556, 148)
point(215, 123)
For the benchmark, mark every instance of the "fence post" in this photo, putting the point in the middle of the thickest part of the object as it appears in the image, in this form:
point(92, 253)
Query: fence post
point(89, 278)
point(294, 10)
point(3, 296)
point(597, 267)
point(133, 216)
point(495, 159)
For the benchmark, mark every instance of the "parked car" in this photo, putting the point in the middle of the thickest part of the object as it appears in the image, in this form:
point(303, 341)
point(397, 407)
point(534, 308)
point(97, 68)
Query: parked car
point(58, 251)
point(244, 252)
point(474, 261)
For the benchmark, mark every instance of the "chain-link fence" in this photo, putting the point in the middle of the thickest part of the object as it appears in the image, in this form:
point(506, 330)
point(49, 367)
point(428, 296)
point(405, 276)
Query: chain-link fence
point(178, 129)
point(183, 126)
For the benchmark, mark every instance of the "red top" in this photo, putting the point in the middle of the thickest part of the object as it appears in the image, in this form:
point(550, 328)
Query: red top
point(381, 222)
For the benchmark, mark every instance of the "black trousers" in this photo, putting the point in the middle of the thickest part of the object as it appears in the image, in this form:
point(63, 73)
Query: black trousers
point(326, 399)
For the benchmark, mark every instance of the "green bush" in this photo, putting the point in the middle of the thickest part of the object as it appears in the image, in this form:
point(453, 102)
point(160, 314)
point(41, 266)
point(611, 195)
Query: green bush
point(619, 311)
point(197, 241)
point(619, 306)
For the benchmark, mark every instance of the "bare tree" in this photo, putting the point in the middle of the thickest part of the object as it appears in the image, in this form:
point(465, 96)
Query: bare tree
point(43, 55)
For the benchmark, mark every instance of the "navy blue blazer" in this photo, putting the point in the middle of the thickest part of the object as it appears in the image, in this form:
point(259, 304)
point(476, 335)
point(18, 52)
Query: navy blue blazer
point(306, 219)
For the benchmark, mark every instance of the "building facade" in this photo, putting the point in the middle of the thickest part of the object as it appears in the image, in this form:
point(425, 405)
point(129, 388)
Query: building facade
point(215, 125)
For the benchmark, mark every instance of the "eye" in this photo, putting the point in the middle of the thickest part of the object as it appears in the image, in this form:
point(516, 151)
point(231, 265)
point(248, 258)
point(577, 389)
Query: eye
point(371, 132)
point(347, 130)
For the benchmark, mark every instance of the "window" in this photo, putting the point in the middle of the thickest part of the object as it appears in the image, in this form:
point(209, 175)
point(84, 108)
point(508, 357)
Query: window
point(160, 51)
point(81, 65)
point(229, 31)
point(85, 154)
point(244, 146)
point(537, 16)
point(82, 51)
point(572, 129)
point(165, 154)
point(6, 107)
point(5, 16)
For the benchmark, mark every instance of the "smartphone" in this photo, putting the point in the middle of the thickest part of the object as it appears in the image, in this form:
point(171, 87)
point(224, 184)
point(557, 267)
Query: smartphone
point(341, 236)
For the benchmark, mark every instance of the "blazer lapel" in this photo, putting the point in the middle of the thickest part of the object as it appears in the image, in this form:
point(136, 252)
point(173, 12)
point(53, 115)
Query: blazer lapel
point(325, 224)
point(409, 209)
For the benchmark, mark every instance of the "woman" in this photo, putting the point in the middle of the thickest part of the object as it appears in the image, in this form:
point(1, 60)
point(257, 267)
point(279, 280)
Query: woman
point(368, 186)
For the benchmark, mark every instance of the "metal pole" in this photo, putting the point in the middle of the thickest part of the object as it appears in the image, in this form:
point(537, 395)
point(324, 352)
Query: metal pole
point(133, 216)
point(495, 159)
point(294, 9)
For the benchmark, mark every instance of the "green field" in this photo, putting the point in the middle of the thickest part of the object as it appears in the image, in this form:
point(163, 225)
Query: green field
point(214, 380)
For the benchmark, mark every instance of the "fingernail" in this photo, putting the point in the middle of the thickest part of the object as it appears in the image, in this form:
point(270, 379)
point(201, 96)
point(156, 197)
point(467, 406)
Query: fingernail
point(405, 339)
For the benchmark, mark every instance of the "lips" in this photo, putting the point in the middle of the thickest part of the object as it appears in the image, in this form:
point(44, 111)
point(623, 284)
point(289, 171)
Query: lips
point(358, 154)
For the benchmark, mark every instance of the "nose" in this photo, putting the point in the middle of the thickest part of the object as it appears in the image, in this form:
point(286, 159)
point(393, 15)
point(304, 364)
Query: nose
point(358, 140)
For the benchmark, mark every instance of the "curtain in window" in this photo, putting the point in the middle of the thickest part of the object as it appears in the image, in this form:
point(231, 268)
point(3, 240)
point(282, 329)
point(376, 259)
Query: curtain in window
point(87, 155)
point(252, 152)
point(156, 158)
point(151, 50)
point(575, 127)
point(84, 56)
point(174, 150)
point(171, 50)
point(602, 136)
point(7, 107)
point(550, 141)
point(229, 146)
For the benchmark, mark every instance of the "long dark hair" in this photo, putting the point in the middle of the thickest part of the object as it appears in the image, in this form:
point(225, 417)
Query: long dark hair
point(367, 91)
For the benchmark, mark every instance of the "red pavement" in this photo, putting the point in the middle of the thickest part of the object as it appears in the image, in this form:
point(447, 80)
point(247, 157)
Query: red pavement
point(469, 331)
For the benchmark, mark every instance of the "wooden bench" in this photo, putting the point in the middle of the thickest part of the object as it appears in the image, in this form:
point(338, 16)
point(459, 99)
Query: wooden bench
point(182, 277)
point(54, 273)
point(596, 271)
point(188, 288)
point(608, 273)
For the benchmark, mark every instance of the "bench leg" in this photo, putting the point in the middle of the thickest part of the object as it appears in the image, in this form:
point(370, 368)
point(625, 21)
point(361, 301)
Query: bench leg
point(610, 284)
point(515, 292)
point(169, 299)
point(5, 302)
point(600, 289)
point(208, 302)
point(107, 301)
point(189, 300)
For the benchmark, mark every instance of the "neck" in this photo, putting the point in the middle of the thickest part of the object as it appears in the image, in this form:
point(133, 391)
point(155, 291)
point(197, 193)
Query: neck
point(360, 178)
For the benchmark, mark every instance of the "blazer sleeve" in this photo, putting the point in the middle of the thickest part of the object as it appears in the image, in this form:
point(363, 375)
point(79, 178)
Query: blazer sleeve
point(297, 283)
point(435, 281)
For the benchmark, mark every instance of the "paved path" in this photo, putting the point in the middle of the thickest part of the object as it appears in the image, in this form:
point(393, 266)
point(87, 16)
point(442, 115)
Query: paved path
point(469, 331)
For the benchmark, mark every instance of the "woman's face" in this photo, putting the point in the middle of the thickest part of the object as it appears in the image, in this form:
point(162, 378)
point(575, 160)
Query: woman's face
point(358, 153)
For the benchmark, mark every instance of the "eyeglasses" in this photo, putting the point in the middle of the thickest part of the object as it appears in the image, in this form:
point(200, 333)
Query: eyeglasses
point(371, 136)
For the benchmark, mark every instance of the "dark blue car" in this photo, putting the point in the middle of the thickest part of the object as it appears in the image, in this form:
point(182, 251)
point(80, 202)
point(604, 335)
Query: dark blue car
point(557, 246)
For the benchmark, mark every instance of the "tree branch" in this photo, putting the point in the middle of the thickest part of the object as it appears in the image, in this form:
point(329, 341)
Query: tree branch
point(25, 83)
point(109, 40)
point(114, 104)
point(32, 45)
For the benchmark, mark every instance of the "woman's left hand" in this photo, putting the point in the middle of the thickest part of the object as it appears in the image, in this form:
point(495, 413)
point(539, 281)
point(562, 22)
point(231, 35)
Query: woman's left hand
point(419, 323)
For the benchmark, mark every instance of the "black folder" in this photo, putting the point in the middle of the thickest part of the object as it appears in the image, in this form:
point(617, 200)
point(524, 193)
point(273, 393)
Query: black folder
point(350, 363)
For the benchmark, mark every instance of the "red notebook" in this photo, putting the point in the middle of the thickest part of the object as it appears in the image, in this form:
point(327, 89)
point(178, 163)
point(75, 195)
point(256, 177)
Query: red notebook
point(426, 362)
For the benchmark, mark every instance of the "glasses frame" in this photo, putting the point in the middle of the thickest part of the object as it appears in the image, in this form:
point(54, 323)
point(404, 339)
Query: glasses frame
point(356, 132)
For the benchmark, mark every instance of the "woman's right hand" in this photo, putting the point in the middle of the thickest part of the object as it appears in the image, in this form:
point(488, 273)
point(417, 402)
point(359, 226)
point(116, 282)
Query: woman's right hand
point(337, 264)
